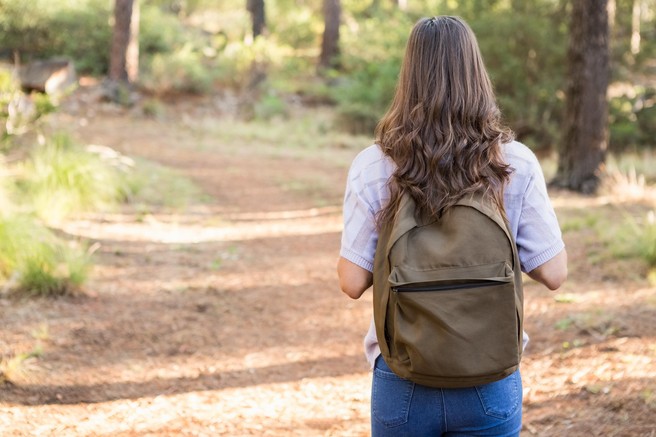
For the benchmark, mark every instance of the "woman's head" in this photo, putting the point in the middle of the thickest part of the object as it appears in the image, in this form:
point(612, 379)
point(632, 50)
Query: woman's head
point(443, 71)
point(443, 127)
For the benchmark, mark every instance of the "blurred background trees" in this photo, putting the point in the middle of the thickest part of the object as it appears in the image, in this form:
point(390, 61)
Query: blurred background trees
point(346, 53)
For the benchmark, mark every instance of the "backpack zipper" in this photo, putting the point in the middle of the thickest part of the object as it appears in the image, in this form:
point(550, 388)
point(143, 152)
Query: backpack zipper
point(433, 287)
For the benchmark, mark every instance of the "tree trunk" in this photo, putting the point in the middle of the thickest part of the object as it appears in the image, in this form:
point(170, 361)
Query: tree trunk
point(635, 27)
point(124, 57)
point(332, 10)
point(258, 17)
point(584, 146)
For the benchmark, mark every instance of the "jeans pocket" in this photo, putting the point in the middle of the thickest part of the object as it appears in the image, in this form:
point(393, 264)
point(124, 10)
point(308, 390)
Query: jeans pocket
point(390, 396)
point(501, 398)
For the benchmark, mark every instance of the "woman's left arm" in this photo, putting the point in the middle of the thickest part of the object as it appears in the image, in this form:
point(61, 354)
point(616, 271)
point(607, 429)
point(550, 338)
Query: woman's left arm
point(353, 279)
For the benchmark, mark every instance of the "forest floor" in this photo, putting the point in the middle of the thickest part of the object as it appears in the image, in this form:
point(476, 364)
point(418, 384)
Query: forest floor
point(224, 317)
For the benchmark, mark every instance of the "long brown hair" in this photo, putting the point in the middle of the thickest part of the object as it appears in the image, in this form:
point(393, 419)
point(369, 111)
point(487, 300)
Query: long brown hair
point(443, 127)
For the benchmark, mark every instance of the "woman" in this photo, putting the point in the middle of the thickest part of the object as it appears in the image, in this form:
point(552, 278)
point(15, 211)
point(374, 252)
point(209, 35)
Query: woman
point(440, 139)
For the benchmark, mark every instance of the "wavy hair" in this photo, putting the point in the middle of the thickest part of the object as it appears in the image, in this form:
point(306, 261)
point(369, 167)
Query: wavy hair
point(443, 128)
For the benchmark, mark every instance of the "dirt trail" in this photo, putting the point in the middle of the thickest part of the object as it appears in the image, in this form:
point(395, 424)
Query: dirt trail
point(225, 319)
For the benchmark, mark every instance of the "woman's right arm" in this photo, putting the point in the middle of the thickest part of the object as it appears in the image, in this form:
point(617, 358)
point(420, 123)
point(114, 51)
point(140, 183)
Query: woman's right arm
point(538, 236)
point(552, 273)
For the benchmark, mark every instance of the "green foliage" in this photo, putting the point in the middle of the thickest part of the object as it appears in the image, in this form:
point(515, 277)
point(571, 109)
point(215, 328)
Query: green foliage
point(83, 33)
point(19, 113)
point(524, 51)
point(150, 184)
point(12, 367)
point(240, 61)
point(646, 117)
point(180, 8)
point(301, 28)
point(159, 32)
point(579, 223)
point(527, 69)
point(62, 178)
point(153, 108)
point(371, 63)
point(636, 238)
point(632, 168)
point(6, 188)
point(41, 29)
point(184, 70)
point(270, 106)
point(633, 120)
point(308, 134)
point(33, 261)
point(365, 95)
point(196, 45)
point(22, 25)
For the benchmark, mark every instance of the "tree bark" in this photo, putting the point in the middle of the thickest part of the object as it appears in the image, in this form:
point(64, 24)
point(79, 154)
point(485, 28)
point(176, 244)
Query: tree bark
point(583, 150)
point(124, 57)
point(258, 17)
point(332, 10)
point(635, 27)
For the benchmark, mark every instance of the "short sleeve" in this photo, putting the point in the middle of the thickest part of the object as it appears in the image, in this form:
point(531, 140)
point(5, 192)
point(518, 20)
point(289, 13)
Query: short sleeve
point(538, 234)
point(363, 198)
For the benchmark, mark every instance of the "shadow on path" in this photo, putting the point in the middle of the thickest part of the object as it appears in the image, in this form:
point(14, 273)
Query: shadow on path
point(95, 393)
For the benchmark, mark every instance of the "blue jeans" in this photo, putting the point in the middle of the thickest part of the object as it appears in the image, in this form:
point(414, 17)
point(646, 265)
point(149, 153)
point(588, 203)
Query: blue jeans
point(402, 408)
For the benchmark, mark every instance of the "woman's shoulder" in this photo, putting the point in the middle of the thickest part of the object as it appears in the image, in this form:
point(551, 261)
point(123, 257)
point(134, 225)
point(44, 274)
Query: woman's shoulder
point(522, 160)
point(517, 154)
point(372, 159)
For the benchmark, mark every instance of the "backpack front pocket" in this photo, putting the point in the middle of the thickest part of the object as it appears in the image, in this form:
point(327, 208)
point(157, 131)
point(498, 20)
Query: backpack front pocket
point(455, 322)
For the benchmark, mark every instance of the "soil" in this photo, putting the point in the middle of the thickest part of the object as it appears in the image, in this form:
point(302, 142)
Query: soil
point(224, 317)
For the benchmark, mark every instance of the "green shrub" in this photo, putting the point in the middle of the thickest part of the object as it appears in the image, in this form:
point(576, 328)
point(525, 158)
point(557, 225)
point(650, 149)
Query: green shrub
point(6, 188)
point(183, 71)
point(270, 106)
point(159, 32)
point(33, 261)
point(45, 28)
point(624, 135)
point(371, 62)
point(527, 69)
point(239, 60)
point(19, 113)
point(524, 49)
point(61, 178)
point(364, 97)
point(300, 28)
point(636, 238)
point(82, 31)
point(632, 120)
point(153, 108)
point(632, 166)
point(646, 117)
point(23, 25)
point(150, 184)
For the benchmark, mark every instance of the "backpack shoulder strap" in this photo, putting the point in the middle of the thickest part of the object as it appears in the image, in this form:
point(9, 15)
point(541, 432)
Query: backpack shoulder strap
point(404, 222)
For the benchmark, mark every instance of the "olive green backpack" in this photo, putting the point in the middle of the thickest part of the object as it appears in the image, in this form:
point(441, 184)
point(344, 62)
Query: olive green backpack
point(448, 301)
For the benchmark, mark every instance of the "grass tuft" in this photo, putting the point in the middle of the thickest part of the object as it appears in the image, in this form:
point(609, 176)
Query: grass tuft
point(34, 262)
point(63, 179)
point(636, 238)
point(150, 184)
